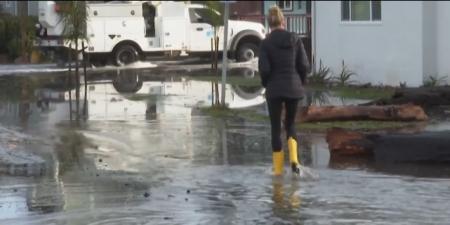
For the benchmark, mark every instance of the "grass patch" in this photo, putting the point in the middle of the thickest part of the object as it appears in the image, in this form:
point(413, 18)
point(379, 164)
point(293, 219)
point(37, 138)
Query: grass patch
point(255, 81)
point(224, 112)
point(320, 127)
point(363, 93)
point(368, 93)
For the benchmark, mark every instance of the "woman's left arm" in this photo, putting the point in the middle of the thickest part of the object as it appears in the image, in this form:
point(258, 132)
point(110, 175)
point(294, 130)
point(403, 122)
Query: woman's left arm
point(264, 64)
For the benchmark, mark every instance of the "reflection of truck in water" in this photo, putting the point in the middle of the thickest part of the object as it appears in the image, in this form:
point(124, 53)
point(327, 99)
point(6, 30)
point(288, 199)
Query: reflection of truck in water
point(126, 31)
point(129, 96)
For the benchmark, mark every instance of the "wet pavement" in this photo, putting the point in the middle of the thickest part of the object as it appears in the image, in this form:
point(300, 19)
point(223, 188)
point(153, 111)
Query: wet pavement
point(147, 155)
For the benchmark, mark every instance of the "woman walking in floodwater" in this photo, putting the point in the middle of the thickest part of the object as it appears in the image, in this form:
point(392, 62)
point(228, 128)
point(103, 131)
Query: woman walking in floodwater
point(283, 66)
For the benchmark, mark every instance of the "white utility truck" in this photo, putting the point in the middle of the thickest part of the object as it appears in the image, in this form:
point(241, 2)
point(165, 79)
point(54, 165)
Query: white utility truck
point(125, 31)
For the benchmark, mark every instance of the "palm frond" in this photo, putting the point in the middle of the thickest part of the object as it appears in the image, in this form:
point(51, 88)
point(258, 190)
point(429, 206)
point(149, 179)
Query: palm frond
point(74, 17)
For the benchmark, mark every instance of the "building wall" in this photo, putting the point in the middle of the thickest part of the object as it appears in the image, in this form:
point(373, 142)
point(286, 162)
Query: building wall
point(11, 7)
point(298, 8)
point(429, 27)
point(386, 52)
point(33, 8)
point(443, 39)
point(250, 10)
point(246, 8)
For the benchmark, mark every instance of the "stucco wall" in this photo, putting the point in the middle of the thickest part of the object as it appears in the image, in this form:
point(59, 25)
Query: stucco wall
point(443, 39)
point(386, 52)
point(429, 39)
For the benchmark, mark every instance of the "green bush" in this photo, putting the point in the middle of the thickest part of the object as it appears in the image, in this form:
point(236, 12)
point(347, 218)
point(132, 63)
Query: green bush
point(322, 76)
point(345, 76)
point(10, 36)
point(434, 81)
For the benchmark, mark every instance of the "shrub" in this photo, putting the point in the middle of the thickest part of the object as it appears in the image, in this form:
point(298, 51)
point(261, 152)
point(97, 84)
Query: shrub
point(344, 77)
point(434, 81)
point(322, 76)
point(10, 36)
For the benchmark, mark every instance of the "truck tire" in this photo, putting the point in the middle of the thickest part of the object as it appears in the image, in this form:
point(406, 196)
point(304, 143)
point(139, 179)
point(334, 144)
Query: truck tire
point(246, 52)
point(125, 54)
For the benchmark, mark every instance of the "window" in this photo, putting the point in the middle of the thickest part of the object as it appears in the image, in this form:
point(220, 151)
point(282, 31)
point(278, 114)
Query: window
point(285, 5)
point(361, 10)
point(204, 15)
point(198, 15)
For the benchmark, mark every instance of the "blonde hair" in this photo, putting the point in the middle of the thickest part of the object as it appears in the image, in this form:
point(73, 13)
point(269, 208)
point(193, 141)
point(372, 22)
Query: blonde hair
point(276, 17)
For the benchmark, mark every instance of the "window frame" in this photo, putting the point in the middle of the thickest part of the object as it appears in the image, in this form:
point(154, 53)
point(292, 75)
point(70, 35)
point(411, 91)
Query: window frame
point(370, 21)
point(291, 8)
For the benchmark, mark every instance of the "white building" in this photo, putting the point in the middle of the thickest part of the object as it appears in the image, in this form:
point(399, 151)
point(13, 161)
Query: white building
point(384, 42)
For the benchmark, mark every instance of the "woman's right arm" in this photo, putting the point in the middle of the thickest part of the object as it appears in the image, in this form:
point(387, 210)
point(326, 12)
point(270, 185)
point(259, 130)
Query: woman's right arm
point(264, 64)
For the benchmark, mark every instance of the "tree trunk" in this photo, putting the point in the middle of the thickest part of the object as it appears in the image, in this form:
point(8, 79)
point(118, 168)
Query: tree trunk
point(70, 80)
point(212, 53)
point(216, 56)
point(85, 82)
point(23, 13)
point(340, 113)
point(416, 147)
point(216, 86)
point(77, 88)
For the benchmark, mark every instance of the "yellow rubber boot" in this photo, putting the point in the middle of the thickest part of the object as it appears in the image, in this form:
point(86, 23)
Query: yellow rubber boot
point(293, 157)
point(278, 161)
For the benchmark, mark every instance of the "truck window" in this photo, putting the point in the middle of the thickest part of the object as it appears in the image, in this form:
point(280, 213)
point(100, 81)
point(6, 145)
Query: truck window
point(149, 12)
point(199, 15)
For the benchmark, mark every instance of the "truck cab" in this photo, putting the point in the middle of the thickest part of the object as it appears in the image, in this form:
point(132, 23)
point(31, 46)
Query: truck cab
point(126, 31)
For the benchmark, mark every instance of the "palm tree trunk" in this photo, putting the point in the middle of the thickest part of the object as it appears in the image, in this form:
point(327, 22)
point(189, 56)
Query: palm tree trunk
point(70, 80)
point(77, 88)
point(23, 13)
point(85, 82)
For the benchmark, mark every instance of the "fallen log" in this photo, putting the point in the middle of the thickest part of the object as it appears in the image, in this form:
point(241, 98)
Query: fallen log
point(419, 147)
point(425, 97)
point(341, 113)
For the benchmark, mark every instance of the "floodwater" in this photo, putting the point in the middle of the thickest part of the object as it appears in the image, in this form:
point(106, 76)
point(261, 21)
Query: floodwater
point(147, 155)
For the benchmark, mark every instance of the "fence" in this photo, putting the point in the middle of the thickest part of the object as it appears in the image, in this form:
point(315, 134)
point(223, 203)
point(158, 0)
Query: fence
point(300, 24)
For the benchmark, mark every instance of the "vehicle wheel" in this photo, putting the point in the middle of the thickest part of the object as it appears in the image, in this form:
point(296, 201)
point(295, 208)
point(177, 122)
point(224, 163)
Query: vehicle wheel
point(125, 55)
point(246, 52)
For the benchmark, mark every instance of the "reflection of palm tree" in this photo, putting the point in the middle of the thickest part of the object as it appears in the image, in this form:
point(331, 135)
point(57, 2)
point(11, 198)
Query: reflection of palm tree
point(70, 151)
point(317, 97)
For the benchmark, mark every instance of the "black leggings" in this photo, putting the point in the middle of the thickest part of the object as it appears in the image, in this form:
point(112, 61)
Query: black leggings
point(275, 105)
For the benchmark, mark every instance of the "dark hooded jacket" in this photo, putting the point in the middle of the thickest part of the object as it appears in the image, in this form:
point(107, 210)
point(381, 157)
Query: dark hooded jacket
point(283, 64)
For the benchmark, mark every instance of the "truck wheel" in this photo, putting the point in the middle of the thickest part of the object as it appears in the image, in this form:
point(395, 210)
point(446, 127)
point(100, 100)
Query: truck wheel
point(246, 52)
point(125, 55)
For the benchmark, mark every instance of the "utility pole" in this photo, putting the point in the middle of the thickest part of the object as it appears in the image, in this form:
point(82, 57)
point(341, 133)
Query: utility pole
point(226, 15)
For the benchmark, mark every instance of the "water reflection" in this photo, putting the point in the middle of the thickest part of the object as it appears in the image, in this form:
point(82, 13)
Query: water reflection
point(424, 170)
point(143, 136)
point(286, 198)
point(127, 81)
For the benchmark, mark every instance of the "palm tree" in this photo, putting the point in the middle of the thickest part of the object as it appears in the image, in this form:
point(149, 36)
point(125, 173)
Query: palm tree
point(215, 19)
point(74, 17)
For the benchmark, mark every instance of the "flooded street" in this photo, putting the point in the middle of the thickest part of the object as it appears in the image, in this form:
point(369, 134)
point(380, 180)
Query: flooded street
point(148, 155)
